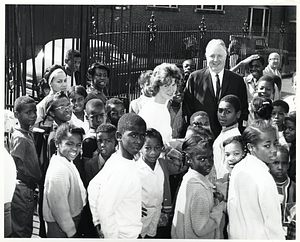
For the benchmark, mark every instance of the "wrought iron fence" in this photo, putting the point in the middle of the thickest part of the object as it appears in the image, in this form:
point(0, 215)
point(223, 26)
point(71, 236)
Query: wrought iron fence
point(125, 47)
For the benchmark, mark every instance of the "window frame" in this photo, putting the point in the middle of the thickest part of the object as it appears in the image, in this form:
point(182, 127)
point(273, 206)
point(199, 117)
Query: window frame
point(264, 29)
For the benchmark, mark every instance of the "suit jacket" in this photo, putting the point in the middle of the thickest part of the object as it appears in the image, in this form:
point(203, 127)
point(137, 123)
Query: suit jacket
point(199, 95)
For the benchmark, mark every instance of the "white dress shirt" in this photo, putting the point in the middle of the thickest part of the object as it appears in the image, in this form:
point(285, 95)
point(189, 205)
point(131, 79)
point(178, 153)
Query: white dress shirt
point(114, 195)
point(214, 79)
point(253, 202)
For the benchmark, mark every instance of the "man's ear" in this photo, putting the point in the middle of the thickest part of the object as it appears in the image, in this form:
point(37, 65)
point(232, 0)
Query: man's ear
point(66, 61)
point(118, 136)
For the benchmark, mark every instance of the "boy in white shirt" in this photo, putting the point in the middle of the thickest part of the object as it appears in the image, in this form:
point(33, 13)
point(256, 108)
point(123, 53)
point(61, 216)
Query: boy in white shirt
point(115, 192)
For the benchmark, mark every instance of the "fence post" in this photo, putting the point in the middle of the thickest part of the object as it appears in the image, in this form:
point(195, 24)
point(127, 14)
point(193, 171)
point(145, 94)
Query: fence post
point(282, 32)
point(202, 28)
point(151, 45)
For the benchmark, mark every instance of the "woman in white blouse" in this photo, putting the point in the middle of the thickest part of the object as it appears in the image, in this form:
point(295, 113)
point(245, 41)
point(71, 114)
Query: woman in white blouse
point(155, 112)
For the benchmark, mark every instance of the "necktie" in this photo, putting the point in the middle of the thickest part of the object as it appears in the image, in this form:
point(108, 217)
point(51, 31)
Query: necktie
point(218, 87)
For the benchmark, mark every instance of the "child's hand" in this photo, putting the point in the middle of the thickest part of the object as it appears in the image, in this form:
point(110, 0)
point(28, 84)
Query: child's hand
point(222, 188)
point(218, 195)
point(144, 212)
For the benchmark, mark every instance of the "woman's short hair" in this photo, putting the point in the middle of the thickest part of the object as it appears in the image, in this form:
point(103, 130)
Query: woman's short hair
point(163, 75)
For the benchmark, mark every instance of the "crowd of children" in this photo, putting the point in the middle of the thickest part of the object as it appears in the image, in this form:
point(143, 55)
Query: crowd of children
point(97, 170)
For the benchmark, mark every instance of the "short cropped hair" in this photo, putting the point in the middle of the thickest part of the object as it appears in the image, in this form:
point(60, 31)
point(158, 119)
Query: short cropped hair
point(106, 128)
point(153, 133)
point(233, 100)
point(199, 130)
point(283, 150)
point(63, 130)
point(145, 77)
point(283, 104)
point(260, 59)
point(21, 101)
point(253, 132)
point(77, 89)
point(130, 120)
point(198, 113)
point(94, 103)
point(291, 116)
point(163, 74)
point(267, 78)
point(262, 107)
point(215, 42)
point(112, 101)
point(71, 54)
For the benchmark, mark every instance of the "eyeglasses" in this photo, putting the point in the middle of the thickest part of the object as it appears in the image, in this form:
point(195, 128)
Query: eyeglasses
point(64, 108)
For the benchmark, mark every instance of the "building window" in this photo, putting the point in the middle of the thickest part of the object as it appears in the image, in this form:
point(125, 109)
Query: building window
point(210, 7)
point(174, 8)
point(164, 6)
point(259, 21)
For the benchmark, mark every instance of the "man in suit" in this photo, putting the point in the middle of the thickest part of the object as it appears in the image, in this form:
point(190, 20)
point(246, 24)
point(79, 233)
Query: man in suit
point(206, 87)
point(72, 67)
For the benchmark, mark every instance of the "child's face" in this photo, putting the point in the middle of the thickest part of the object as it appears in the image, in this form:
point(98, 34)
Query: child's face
point(202, 161)
point(278, 115)
point(234, 152)
point(132, 140)
point(117, 111)
point(202, 121)
point(151, 150)
point(59, 82)
point(96, 117)
point(106, 143)
point(70, 146)
point(62, 110)
point(289, 131)
point(100, 79)
point(147, 89)
point(27, 116)
point(265, 149)
point(227, 115)
point(78, 102)
point(265, 89)
point(188, 66)
point(256, 68)
point(279, 168)
point(178, 96)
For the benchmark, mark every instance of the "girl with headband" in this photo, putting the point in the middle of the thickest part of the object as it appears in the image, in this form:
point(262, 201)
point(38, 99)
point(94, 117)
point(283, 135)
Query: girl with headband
point(57, 79)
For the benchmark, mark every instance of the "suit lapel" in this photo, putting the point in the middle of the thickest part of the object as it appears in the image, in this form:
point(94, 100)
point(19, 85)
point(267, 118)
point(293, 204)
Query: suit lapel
point(225, 83)
point(208, 82)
